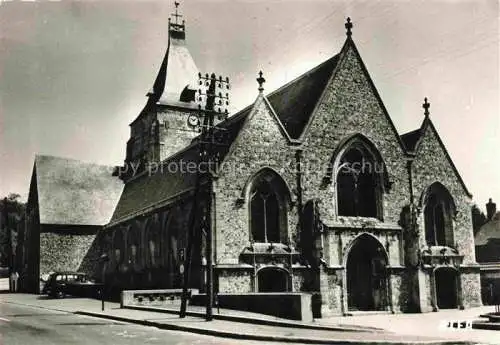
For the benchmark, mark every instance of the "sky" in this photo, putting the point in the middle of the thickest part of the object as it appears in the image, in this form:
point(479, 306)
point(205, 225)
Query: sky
point(73, 75)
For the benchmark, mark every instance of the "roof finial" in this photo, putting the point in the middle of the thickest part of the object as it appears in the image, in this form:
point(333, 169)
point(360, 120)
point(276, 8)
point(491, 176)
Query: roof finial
point(426, 106)
point(348, 26)
point(176, 14)
point(261, 81)
point(176, 27)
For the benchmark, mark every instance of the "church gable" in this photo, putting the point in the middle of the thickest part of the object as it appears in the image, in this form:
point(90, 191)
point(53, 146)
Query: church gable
point(351, 101)
point(432, 164)
point(262, 144)
point(350, 106)
point(261, 134)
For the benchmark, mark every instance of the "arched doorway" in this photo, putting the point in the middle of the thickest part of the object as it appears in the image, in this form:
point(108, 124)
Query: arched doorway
point(271, 279)
point(446, 288)
point(366, 275)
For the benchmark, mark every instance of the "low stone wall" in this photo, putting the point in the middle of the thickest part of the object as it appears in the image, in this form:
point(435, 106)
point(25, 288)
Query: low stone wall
point(155, 298)
point(294, 306)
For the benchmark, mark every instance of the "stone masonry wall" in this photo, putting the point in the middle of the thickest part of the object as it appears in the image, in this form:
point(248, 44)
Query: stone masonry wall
point(399, 291)
point(471, 289)
point(62, 252)
point(349, 107)
point(259, 145)
point(235, 281)
point(431, 165)
point(174, 132)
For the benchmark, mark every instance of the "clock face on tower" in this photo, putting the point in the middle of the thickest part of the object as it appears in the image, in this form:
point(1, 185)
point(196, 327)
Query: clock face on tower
point(193, 120)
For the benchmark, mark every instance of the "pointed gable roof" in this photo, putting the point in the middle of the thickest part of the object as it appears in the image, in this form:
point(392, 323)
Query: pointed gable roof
point(415, 137)
point(410, 139)
point(75, 193)
point(295, 101)
point(489, 231)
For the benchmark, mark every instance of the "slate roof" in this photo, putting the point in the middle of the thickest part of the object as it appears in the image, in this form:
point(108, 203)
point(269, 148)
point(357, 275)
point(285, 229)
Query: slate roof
point(295, 101)
point(75, 192)
point(150, 189)
point(490, 230)
point(176, 72)
point(410, 139)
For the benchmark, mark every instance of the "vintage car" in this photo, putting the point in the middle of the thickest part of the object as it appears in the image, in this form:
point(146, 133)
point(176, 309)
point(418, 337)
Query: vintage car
point(60, 284)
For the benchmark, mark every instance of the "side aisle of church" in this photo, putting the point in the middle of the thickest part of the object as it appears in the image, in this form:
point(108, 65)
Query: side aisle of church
point(316, 192)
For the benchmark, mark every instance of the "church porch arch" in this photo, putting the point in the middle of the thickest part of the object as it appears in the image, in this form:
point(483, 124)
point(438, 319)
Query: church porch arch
point(445, 288)
point(273, 279)
point(366, 278)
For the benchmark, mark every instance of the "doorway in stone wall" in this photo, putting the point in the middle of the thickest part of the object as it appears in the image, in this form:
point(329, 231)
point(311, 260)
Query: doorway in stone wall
point(271, 279)
point(446, 288)
point(366, 275)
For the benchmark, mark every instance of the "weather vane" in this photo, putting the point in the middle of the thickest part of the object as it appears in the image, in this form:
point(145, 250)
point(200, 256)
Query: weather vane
point(176, 15)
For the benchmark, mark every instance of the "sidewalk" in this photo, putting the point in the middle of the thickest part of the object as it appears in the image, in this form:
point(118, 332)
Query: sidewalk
point(430, 324)
point(232, 329)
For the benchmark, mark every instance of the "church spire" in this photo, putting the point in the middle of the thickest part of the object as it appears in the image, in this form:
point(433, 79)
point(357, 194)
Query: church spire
point(176, 79)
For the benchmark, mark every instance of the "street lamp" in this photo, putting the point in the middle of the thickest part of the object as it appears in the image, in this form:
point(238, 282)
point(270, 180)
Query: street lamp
point(103, 259)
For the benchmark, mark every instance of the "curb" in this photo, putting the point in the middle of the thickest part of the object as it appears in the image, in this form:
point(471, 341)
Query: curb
point(488, 325)
point(38, 306)
point(242, 319)
point(247, 336)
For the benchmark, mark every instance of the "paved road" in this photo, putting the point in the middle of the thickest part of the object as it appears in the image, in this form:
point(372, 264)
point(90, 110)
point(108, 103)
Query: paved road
point(4, 284)
point(20, 325)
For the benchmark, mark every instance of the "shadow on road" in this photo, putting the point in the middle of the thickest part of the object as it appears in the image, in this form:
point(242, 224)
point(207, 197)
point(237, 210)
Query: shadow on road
point(88, 323)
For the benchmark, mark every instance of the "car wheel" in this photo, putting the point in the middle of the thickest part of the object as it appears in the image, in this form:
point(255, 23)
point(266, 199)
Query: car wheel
point(60, 294)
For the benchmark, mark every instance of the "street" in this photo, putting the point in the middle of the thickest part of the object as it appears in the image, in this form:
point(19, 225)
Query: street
point(21, 325)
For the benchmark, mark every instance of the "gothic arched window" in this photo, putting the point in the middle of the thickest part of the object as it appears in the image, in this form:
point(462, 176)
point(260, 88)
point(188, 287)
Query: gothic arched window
point(439, 209)
point(268, 210)
point(359, 183)
point(118, 247)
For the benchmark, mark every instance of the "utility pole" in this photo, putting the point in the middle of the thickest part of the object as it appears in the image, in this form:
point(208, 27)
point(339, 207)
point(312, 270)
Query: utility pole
point(212, 101)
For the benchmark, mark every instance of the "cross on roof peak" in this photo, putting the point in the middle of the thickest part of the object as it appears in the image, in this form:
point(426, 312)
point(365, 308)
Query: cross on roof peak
point(348, 26)
point(261, 81)
point(426, 107)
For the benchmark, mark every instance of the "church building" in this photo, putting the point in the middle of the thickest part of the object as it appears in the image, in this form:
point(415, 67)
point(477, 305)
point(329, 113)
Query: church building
point(314, 190)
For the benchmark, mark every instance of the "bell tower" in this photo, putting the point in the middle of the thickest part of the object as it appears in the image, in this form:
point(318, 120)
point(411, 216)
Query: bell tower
point(165, 125)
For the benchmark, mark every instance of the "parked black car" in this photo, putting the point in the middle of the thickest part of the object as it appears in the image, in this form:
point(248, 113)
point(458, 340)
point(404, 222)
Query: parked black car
point(80, 284)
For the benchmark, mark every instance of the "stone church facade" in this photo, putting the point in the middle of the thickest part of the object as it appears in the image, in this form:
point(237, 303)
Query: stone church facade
point(315, 191)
